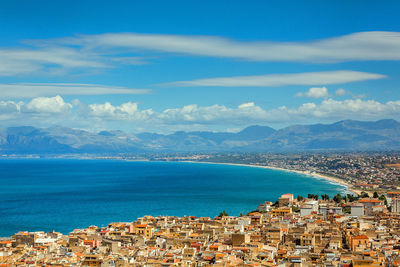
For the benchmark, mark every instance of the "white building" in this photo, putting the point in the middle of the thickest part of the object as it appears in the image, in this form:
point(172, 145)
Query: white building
point(357, 209)
point(396, 205)
point(309, 207)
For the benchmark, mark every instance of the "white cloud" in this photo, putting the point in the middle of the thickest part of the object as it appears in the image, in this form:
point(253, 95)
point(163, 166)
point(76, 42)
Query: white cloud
point(126, 111)
point(269, 80)
point(315, 92)
point(48, 105)
point(47, 111)
point(359, 96)
point(353, 47)
point(102, 110)
point(29, 90)
point(351, 108)
point(341, 92)
point(10, 106)
point(246, 113)
point(247, 105)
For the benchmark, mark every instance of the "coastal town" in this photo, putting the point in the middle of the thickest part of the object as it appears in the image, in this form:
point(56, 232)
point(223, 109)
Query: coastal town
point(294, 231)
point(361, 228)
point(199, 133)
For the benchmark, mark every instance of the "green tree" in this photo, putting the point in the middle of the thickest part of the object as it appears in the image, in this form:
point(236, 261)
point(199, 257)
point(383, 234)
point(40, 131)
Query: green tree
point(376, 195)
point(337, 198)
point(300, 198)
point(346, 210)
point(351, 197)
point(223, 213)
point(295, 209)
point(324, 197)
point(364, 194)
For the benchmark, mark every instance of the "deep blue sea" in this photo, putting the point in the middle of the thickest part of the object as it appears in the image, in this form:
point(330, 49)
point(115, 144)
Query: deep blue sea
point(61, 195)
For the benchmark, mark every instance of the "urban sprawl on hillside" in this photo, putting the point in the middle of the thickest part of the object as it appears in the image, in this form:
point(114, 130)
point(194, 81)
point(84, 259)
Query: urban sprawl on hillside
point(304, 231)
point(359, 229)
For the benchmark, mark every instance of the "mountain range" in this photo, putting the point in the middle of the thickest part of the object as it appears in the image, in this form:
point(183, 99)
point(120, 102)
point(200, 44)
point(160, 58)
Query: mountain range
point(347, 135)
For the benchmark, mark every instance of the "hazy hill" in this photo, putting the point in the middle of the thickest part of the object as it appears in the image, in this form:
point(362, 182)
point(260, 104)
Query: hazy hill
point(342, 135)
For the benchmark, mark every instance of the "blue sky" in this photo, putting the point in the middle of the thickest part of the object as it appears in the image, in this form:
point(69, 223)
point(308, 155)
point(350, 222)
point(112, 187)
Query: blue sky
point(197, 65)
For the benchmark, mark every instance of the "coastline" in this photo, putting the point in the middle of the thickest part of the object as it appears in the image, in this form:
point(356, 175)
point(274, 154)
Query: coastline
point(332, 179)
point(310, 175)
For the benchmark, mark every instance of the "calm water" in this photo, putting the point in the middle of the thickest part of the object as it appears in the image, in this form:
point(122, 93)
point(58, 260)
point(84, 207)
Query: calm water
point(38, 194)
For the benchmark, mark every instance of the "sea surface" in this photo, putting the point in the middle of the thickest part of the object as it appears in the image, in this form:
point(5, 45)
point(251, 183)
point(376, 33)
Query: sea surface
point(61, 195)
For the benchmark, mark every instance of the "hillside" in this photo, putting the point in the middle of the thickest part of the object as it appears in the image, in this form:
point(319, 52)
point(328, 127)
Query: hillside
point(343, 135)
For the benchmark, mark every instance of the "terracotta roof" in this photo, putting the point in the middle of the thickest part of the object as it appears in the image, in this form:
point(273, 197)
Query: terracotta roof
point(361, 237)
point(367, 200)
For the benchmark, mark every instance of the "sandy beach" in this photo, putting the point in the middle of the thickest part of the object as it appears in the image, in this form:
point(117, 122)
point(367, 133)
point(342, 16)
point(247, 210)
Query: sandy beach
point(311, 175)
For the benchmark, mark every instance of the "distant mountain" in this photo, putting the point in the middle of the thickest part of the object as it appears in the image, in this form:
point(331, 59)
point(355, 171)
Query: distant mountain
point(255, 132)
point(205, 141)
point(59, 140)
point(343, 135)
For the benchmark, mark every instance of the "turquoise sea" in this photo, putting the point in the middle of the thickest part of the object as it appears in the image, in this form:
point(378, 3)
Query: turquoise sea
point(61, 195)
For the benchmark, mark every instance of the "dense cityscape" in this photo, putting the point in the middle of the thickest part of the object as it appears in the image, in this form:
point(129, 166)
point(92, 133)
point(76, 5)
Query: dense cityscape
point(313, 231)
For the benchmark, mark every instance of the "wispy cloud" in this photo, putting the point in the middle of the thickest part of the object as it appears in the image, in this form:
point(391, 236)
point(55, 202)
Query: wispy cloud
point(306, 78)
point(358, 46)
point(29, 90)
point(49, 60)
point(108, 50)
